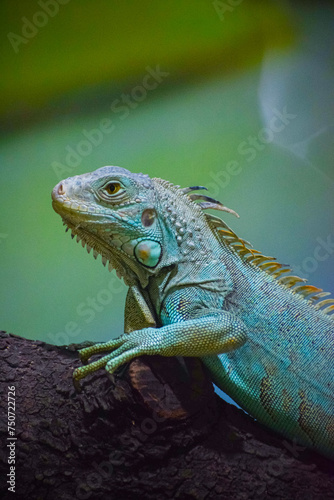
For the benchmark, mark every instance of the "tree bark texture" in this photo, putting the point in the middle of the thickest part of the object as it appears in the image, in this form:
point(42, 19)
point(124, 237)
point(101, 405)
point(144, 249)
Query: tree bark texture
point(155, 431)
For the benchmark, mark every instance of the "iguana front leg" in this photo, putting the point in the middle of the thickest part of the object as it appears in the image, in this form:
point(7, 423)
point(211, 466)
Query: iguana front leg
point(138, 314)
point(208, 333)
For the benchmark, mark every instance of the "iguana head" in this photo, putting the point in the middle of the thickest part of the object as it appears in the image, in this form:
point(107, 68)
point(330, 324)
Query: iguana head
point(114, 212)
point(140, 225)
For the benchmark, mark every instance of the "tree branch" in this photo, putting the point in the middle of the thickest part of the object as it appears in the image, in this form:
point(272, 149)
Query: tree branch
point(157, 432)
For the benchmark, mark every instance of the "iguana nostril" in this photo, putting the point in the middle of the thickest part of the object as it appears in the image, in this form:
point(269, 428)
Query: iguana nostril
point(61, 189)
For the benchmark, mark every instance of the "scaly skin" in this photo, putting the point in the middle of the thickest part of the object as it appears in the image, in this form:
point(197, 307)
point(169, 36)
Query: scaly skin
point(196, 289)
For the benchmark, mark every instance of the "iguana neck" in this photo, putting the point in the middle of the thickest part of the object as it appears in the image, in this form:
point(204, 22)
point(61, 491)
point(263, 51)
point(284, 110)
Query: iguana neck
point(192, 254)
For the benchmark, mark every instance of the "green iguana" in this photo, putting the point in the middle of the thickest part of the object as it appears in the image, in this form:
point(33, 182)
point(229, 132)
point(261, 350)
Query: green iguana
point(197, 289)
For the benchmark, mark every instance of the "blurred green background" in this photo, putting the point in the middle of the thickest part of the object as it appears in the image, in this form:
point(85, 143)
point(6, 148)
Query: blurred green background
point(237, 96)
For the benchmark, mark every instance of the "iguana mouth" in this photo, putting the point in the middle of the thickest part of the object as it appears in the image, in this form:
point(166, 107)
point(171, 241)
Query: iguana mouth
point(75, 210)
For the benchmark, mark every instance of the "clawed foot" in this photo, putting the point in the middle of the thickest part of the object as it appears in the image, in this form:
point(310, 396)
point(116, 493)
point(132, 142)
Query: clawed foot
point(124, 348)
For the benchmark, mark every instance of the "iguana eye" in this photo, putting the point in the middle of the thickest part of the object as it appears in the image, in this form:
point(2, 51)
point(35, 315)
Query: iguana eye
point(112, 187)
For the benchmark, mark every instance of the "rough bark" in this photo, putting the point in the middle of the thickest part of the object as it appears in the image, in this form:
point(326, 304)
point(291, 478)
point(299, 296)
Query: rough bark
point(157, 431)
